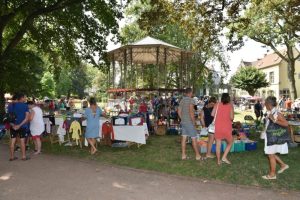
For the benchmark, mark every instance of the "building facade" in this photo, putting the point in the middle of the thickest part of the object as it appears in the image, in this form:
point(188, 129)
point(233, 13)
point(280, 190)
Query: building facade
point(276, 70)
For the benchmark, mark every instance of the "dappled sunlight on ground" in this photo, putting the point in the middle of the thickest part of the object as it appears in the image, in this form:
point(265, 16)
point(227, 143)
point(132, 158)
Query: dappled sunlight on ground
point(121, 186)
point(6, 176)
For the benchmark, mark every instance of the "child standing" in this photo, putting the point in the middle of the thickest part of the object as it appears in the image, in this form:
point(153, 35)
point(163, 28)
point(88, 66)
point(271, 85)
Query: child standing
point(37, 126)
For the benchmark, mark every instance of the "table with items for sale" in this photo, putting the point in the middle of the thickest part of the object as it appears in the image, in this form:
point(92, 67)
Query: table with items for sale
point(241, 133)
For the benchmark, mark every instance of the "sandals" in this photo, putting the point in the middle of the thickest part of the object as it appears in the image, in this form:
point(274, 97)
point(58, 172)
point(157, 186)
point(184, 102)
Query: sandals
point(94, 152)
point(199, 158)
point(185, 158)
point(283, 169)
point(26, 158)
point(268, 177)
point(210, 156)
point(37, 153)
point(14, 158)
point(226, 161)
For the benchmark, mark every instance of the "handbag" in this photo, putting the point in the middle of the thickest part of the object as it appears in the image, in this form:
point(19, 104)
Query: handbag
point(211, 127)
point(277, 134)
point(10, 117)
point(204, 132)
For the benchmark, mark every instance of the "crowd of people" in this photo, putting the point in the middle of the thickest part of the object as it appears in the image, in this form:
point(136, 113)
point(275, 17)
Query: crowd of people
point(220, 116)
point(25, 120)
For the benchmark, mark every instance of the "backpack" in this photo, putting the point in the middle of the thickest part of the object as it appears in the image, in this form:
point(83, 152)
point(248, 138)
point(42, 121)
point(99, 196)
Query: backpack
point(107, 133)
point(10, 117)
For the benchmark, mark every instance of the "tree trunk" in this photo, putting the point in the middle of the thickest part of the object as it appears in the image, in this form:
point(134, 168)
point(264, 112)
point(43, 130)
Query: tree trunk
point(2, 91)
point(68, 95)
point(291, 70)
point(2, 103)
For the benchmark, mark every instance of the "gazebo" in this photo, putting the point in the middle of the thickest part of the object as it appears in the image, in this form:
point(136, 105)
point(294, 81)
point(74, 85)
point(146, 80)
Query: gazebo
point(133, 58)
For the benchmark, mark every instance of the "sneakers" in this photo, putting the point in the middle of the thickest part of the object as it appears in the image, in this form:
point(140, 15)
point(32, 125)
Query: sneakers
point(268, 177)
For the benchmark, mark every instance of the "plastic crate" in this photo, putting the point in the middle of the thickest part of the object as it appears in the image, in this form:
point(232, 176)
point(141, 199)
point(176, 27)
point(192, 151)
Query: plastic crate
point(202, 149)
point(224, 145)
point(250, 146)
point(239, 146)
point(213, 148)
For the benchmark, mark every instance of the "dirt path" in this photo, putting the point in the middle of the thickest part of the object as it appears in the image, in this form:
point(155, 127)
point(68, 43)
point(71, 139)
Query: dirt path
point(63, 178)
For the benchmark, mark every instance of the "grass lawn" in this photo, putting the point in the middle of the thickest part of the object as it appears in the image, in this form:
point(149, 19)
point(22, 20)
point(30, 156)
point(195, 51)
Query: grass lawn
point(162, 154)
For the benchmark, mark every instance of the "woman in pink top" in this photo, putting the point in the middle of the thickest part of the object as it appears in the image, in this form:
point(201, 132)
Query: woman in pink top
point(224, 114)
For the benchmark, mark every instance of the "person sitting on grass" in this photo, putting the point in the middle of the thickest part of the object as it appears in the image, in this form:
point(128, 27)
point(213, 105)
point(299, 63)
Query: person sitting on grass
point(37, 126)
point(92, 115)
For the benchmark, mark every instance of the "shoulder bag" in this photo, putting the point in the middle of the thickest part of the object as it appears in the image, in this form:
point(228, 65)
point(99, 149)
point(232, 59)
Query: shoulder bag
point(277, 134)
point(211, 127)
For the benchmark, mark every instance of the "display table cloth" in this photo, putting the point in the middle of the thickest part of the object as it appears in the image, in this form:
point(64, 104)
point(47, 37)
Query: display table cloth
point(126, 133)
point(135, 134)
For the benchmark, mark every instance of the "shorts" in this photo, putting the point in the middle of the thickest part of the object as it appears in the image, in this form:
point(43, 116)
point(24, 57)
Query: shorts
point(22, 133)
point(188, 129)
point(34, 137)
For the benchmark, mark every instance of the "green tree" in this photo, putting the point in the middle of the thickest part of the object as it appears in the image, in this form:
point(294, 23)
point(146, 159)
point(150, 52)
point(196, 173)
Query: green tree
point(64, 83)
point(76, 28)
point(80, 80)
point(249, 79)
point(188, 25)
point(273, 23)
point(25, 74)
point(174, 23)
point(48, 85)
point(73, 80)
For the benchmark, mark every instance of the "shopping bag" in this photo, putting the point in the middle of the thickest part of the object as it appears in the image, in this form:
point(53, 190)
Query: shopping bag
point(204, 132)
point(211, 128)
point(277, 134)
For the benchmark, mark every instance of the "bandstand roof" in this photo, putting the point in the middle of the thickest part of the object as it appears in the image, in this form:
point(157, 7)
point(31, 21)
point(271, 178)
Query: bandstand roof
point(149, 51)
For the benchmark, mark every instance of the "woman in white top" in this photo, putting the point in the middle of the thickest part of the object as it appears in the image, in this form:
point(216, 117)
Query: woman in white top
point(271, 151)
point(37, 126)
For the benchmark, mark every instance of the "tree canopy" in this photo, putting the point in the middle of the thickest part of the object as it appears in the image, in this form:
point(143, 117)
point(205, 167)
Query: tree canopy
point(173, 22)
point(274, 24)
point(249, 79)
point(73, 29)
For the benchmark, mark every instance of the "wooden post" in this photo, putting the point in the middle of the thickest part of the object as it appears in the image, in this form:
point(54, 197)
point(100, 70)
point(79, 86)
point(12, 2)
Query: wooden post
point(121, 71)
point(180, 73)
point(165, 67)
point(125, 68)
point(108, 74)
point(187, 72)
point(113, 78)
point(142, 75)
point(131, 66)
point(157, 65)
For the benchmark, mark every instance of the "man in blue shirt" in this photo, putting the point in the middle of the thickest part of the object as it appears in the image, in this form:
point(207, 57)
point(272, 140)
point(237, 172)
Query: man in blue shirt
point(20, 127)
